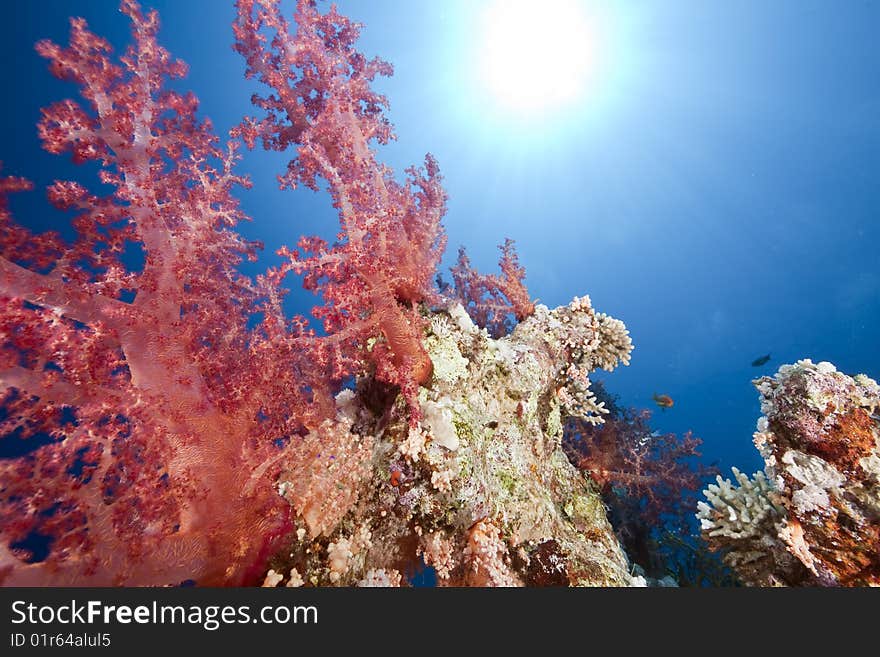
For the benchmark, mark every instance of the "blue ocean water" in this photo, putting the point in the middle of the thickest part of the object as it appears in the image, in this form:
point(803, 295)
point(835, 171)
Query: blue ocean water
point(717, 188)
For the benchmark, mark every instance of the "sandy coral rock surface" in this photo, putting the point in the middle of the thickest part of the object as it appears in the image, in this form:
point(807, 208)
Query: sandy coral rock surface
point(482, 492)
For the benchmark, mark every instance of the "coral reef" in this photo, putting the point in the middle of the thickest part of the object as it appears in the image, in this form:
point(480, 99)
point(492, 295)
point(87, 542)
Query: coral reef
point(481, 491)
point(812, 518)
point(172, 424)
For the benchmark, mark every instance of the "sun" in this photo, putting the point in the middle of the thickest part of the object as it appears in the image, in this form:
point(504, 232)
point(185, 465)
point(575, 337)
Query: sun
point(537, 56)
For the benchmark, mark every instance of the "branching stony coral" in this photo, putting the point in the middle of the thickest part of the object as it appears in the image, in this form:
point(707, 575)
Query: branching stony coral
point(746, 520)
point(585, 340)
point(736, 511)
point(812, 517)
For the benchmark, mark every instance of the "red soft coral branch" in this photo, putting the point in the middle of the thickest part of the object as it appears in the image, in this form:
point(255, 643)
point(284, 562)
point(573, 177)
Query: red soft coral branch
point(142, 420)
point(148, 410)
point(391, 238)
point(626, 454)
point(492, 300)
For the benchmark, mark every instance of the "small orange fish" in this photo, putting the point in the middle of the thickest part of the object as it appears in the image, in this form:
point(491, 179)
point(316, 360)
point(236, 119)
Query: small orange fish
point(663, 401)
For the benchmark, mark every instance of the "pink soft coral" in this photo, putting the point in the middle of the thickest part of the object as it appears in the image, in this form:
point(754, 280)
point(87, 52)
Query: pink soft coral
point(391, 239)
point(146, 389)
point(493, 301)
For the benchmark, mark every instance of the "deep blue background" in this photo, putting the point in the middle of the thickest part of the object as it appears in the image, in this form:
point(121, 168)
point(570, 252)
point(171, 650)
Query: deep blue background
point(716, 189)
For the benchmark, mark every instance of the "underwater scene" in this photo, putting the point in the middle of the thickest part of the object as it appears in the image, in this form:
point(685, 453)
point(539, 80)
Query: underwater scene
point(386, 293)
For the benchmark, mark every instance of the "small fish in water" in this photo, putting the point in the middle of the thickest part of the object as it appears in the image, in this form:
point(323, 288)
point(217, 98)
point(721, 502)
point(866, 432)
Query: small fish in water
point(663, 401)
point(760, 361)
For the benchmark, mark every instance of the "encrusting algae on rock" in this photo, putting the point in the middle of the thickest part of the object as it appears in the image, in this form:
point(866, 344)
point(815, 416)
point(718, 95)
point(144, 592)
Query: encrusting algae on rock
point(481, 491)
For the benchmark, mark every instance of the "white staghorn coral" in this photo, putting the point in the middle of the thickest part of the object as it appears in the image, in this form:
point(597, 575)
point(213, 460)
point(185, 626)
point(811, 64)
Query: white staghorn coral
point(736, 511)
point(583, 340)
point(614, 343)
